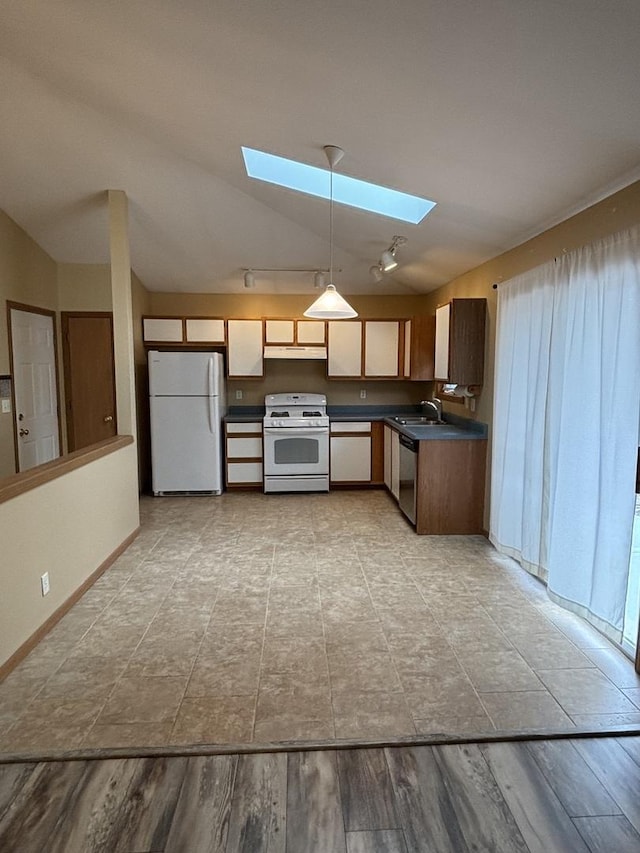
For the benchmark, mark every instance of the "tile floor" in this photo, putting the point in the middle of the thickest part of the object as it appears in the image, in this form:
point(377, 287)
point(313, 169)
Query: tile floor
point(252, 618)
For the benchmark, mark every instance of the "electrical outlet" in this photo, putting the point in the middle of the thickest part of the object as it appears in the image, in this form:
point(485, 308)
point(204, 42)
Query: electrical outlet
point(44, 583)
point(363, 394)
point(238, 394)
point(6, 406)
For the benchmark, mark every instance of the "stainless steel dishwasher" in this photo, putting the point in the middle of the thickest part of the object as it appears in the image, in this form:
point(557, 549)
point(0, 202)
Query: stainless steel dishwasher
point(408, 476)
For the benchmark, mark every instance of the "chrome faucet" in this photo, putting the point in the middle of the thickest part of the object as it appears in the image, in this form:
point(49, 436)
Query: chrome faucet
point(435, 405)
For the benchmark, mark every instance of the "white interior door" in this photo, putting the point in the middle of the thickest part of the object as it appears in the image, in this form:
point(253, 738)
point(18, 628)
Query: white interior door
point(35, 387)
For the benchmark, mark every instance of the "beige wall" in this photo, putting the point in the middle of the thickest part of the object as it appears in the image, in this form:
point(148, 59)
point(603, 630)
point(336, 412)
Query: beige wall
point(27, 275)
point(69, 526)
point(84, 287)
point(619, 211)
point(66, 527)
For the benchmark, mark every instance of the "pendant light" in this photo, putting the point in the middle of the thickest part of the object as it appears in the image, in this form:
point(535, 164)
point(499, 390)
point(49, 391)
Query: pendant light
point(330, 305)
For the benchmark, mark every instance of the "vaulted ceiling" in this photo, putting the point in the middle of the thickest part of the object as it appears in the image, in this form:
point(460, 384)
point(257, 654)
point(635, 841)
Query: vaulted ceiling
point(510, 114)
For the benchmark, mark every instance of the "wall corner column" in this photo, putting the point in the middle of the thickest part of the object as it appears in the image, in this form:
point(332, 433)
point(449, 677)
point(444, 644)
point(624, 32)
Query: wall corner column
point(122, 312)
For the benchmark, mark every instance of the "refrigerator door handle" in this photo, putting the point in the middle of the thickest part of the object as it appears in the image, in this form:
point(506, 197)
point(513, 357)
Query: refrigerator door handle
point(212, 424)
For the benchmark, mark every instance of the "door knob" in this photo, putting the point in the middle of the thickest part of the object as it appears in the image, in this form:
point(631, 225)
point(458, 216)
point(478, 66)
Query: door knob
point(108, 419)
point(23, 432)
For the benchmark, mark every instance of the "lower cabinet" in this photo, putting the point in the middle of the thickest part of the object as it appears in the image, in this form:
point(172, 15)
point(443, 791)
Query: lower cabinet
point(392, 461)
point(350, 452)
point(450, 486)
point(243, 442)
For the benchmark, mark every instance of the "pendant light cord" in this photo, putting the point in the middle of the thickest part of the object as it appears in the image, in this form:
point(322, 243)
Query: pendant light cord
point(331, 226)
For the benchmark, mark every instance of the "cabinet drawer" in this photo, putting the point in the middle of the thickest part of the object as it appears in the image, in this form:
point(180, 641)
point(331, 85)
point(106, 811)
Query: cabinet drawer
point(244, 448)
point(351, 426)
point(244, 427)
point(244, 472)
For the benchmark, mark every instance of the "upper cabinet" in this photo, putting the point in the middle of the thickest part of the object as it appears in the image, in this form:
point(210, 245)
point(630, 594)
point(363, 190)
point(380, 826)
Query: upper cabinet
point(363, 349)
point(344, 353)
point(244, 349)
point(162, 330)
point(204, 331)
point(279, 331)
point(183, 330)
point(313, 332)
point(419, 342)
point(459, 341)
point(381, 348)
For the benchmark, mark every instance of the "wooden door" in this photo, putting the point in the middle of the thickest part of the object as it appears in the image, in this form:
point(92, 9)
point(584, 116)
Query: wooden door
point(89, 377)
point(34, 368)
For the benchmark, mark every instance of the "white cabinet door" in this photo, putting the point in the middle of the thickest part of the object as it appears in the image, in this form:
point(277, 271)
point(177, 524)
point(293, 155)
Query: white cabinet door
point(392, 461)
point(395, 464)
point(244, 348)
point(407, 349)
point(311, 332)
point(162, 329)
point(344, 356)
point(443, 318)
point(387, 456)
point(350, 459)
point(381, 338)
point(205, 331)
point(278, 331)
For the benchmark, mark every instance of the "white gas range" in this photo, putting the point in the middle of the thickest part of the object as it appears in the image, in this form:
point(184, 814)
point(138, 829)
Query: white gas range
point(296, 443)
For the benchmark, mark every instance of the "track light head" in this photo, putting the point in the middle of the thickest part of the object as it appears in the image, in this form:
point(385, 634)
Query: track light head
point(318, 279)
point(376, 272)
point(249, 279)
point(388, 261)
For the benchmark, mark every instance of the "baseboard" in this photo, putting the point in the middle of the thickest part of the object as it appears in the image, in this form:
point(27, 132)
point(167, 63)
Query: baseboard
point(21, 653)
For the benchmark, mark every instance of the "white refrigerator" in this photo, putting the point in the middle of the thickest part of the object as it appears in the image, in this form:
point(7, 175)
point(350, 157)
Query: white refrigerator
point(187, 404)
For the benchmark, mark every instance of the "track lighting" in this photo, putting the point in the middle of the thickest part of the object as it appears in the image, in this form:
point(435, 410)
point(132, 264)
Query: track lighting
point(318, 279)
point(249, 279)
point(388, 259)
point(376, 272)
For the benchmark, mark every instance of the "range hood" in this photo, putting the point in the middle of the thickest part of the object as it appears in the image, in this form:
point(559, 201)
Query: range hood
point(295, 352)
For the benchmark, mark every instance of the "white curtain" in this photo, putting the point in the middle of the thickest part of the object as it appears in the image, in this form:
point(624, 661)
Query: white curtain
point(565, 430)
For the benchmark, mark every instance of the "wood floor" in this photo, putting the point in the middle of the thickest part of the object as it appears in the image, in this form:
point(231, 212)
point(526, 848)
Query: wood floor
point(545, 796)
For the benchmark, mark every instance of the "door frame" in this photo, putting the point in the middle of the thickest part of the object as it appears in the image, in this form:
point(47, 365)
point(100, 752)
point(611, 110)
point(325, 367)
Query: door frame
point(32, 309)
point(65, 316)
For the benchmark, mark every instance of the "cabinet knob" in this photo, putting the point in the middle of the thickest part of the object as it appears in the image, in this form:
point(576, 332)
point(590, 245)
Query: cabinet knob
point(108, 419)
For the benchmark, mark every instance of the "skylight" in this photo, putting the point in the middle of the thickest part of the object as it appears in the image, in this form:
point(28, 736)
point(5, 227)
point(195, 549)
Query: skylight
point(346, 190)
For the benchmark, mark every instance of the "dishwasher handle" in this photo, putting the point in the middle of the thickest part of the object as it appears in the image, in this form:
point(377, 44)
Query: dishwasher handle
point(410, 443)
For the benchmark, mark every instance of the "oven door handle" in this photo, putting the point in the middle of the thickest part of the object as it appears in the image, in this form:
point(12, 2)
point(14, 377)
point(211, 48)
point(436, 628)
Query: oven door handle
point(297, 431)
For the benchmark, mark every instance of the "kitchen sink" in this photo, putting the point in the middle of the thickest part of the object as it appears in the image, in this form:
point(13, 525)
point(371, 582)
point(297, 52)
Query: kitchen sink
point(417, 421)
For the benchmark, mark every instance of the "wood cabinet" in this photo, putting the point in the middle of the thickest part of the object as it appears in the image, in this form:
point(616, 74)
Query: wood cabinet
point(450, 486)
point(244, 349)
point(243, 446)
point(344, 353)
point(459, 341)
point(350, 452)
point(419, 346)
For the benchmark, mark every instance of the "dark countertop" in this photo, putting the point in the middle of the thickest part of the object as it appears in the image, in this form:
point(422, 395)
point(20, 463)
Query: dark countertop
point(456, 427)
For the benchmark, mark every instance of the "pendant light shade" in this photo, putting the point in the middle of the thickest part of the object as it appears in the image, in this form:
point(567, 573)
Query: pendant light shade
point(330, 305)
